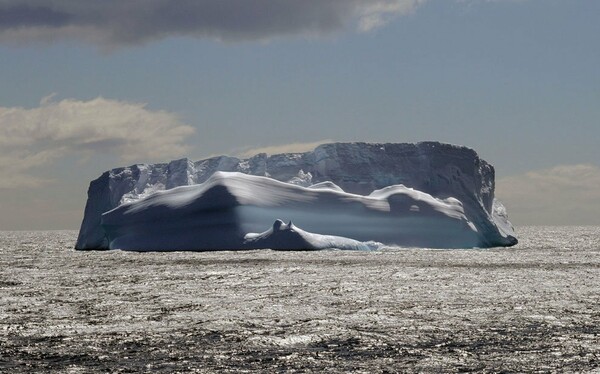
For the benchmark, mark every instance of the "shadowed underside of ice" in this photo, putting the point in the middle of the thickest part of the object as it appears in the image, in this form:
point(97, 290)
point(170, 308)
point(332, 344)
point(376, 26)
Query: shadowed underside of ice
point(342, 195)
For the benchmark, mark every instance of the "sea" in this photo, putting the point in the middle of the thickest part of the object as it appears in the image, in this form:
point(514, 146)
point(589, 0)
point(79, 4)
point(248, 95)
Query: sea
point(534, 307)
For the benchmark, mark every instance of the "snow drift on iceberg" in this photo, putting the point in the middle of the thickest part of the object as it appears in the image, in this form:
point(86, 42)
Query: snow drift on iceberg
point(342, 195)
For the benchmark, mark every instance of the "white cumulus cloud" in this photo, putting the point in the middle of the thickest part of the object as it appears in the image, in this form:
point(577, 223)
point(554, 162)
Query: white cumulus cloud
point(565, 194)
point(37, 137)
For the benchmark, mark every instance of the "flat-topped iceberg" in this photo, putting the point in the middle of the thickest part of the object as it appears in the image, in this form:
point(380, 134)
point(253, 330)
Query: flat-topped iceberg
point(341, 195)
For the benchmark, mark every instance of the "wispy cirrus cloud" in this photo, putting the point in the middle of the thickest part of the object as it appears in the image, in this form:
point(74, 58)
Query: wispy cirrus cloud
point(565, 194)
point(111, 23)
point(281, 148)
point(37, 137)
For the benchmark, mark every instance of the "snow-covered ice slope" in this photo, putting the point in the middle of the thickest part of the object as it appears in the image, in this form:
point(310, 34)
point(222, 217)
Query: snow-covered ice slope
point(426, 194)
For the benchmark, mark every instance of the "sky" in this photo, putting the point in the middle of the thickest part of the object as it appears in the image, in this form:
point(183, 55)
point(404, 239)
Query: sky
point(86, 86)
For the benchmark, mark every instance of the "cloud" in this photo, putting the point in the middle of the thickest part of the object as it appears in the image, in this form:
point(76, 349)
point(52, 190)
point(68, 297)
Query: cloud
point(37, 137)
point(284, 148)
point(129, 22)
point(562, 195)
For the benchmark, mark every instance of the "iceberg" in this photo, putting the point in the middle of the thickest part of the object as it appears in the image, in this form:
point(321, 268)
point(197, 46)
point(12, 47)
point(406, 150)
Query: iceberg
point(357, 196)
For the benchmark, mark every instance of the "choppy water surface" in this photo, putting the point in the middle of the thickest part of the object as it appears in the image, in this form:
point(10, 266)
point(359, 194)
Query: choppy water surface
point(535, 307)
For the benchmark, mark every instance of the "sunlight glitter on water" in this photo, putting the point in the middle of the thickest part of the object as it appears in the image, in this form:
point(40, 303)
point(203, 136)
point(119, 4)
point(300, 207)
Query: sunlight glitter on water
point(526, 308)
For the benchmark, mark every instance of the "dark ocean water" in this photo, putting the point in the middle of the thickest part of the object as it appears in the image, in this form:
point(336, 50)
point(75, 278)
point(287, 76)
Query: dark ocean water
point(531, 308)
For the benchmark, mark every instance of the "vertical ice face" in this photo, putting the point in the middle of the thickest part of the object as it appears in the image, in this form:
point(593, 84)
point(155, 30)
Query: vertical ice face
point(180, 173)
point(441, 170)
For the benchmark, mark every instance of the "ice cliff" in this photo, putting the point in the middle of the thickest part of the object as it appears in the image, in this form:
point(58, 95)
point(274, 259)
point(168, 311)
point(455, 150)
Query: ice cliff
point(426, 194)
